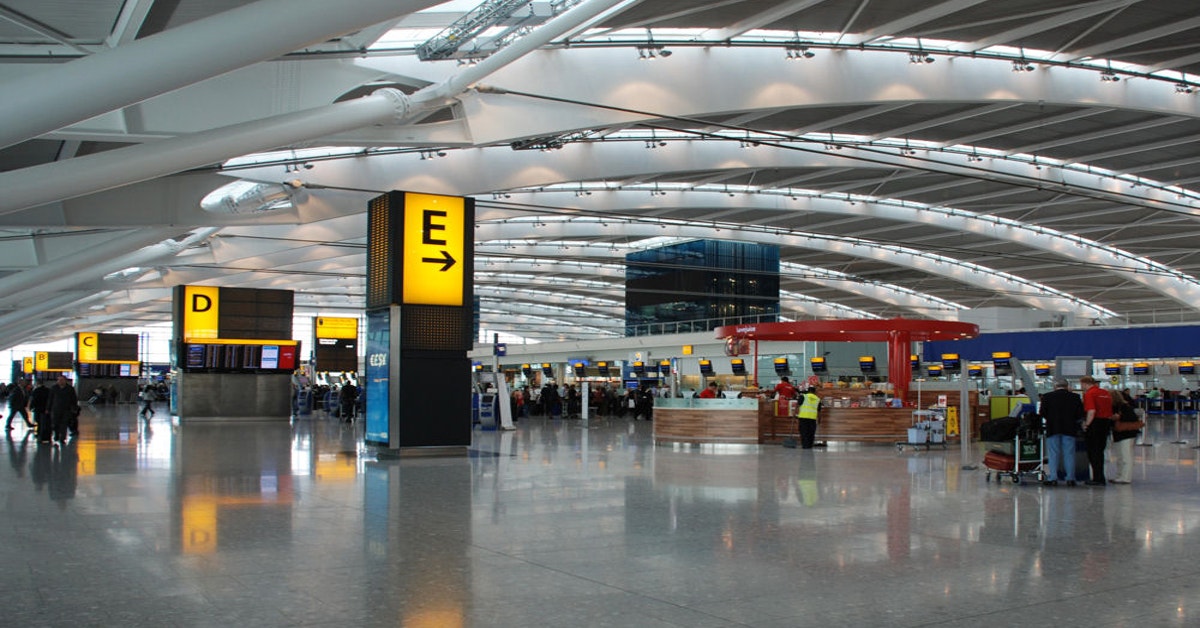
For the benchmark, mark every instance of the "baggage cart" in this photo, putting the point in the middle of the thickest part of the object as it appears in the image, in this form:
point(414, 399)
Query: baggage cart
point(1028, 453)
point(928, 429)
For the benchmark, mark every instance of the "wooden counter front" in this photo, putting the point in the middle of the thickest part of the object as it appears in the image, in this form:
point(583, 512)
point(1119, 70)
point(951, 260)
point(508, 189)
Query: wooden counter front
point(865, 424)
point(702, 421)
point(857, 424)
point(853, 424)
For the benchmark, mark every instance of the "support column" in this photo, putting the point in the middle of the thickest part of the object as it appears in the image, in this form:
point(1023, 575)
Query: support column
point(899, 370)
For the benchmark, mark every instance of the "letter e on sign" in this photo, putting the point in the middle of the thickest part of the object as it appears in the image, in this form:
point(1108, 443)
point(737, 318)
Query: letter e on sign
point(434, 244)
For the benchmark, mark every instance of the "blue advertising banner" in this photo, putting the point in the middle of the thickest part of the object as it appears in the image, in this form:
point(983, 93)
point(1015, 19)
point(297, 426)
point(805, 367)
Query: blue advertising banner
point(378, 373)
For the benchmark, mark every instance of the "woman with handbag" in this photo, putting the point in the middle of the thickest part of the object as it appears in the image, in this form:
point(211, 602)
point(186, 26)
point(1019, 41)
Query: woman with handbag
point(1126, 427)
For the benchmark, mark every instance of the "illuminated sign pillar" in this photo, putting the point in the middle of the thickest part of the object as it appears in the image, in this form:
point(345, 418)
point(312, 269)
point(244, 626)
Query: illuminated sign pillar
point(233, 354)
point(420, 267)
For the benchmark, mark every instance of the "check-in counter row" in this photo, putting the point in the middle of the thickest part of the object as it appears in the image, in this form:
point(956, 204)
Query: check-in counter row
point(754, 421)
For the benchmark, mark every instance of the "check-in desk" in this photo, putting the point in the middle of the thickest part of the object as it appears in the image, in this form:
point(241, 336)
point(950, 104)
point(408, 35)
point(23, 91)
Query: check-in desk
point(704, 421)
point(851, 415)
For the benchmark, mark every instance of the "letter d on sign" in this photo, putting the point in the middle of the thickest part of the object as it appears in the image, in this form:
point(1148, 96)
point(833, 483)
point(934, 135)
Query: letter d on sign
point(201, 313)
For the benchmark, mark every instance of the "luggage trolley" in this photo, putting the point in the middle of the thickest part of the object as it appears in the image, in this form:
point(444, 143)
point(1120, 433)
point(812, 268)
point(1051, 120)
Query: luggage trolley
point(928, 428)
point(1028, 449)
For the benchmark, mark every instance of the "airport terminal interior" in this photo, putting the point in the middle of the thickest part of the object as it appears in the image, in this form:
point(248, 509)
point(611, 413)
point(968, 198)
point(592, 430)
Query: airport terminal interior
point(1016, 164)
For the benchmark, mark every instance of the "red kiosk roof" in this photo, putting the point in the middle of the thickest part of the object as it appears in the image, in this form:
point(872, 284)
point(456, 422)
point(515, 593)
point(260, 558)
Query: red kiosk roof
point(852, 330)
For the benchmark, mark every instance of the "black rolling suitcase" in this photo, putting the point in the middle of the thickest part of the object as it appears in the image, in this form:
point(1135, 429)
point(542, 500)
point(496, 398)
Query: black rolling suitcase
point(45, 431)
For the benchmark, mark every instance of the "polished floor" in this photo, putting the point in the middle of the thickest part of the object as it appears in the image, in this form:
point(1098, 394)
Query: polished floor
point(145, 523)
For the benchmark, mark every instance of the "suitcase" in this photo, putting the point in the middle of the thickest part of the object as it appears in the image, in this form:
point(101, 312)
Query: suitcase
point(45, 432)
point(997, 461)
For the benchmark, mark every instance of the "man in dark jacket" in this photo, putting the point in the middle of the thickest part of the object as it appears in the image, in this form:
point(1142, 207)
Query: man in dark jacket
point(1063, 410)
point(18, 402)
point(348, 401)
point(64, 404)
point(39, 401)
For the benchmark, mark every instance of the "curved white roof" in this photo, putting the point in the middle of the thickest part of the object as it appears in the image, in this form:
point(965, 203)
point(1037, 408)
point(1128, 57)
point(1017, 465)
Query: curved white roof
point(909, 157)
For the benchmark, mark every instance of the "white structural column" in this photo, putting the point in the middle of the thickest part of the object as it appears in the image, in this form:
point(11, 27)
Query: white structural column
point(39, 310)
point(543, 35)
point(30, 187)
point(57, 181)
point(88, 267)
point(65, 94)
point(77, 262)
point(22, 324)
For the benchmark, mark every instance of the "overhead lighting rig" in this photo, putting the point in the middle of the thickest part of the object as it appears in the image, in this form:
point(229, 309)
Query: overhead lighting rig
point(549, 142)
point(798, 51)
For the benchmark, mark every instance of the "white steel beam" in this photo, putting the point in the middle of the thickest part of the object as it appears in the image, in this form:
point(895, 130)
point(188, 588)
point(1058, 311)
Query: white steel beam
point(1081, 12)
point(57, 181)
point(913, 20)
point(88, 267)
point(1133, 39)
point(60, 95)
point(1031, 293)
point(1101, 134)
point(1145, 272)
point(902, 131)
point(129, 22)
point(760, 20)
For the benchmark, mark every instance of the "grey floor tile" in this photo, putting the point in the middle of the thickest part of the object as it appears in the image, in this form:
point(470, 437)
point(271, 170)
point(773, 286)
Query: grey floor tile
point(553, 525)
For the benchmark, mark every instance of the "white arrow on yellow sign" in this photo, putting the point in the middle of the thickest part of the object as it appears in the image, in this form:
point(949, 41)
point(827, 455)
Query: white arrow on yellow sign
point(434, 243)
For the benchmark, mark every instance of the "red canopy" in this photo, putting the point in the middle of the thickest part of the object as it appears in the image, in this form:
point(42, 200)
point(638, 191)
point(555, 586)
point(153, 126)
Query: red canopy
point(898, 333)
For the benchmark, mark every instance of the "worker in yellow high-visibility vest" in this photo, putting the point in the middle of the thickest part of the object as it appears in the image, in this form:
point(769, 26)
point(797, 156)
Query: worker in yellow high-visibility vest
point(810, 408)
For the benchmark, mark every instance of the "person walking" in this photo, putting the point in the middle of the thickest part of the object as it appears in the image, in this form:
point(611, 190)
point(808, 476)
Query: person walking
point(1097, 424)
point(39, 402)
point(63, 407)
point(810, 409)
point(348, 401)
point(148, 397)
point(1063, 412)
point(18, 401)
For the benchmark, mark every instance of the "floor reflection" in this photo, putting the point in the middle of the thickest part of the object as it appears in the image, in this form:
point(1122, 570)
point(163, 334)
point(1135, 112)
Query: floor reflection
point(561, 523)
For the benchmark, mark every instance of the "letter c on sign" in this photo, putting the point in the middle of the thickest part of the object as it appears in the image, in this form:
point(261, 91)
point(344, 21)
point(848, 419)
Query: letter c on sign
point(196, 303)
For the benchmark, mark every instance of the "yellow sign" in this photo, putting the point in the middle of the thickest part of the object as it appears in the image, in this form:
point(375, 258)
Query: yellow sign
point(200, 312)
point(42, 361)
point(198, 533)
point(687, 349)
point(238, 341)
point(337, 327)
point(434, 243)
point(88, 346)
point(952, 421)
point(27, 366)
point(87, 458)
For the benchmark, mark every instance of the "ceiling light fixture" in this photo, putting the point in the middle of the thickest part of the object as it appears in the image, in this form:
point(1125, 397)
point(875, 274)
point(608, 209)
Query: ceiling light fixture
point(1021, 65)
point(797, 51)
